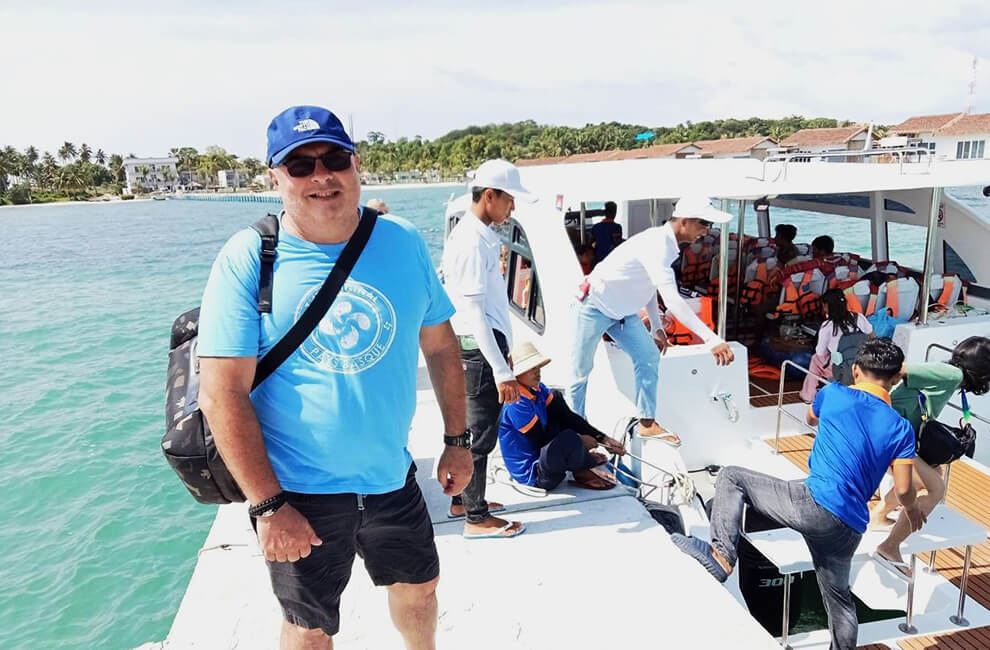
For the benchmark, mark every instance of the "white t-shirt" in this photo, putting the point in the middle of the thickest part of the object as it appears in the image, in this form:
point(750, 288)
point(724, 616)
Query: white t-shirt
point(829, 342)
point(471, 268)
point(629, 278)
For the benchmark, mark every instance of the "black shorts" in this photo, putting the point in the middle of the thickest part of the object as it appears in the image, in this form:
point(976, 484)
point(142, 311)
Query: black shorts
point(392, 534)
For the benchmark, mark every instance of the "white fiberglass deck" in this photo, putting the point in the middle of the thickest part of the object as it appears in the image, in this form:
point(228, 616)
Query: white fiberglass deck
point(591, 569)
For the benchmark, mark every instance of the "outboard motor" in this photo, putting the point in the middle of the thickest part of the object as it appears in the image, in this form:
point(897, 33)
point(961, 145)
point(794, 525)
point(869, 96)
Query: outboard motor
point(762, 585)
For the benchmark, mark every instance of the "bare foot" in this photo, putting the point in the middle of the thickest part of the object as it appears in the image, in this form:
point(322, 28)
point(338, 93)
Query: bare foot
point(893, 555)
point(458, 510)
point(493, 525)
point(654, 430)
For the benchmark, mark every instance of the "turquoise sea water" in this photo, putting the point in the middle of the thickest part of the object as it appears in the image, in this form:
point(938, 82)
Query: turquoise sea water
point(100, 537)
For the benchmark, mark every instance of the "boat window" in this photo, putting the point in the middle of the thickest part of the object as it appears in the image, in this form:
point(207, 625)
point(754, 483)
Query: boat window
point(522, 283)
point(955, 264)
point(906, 244)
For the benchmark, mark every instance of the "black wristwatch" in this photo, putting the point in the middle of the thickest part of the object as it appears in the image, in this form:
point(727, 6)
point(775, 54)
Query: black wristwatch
point(463, 440)
point(268, 507)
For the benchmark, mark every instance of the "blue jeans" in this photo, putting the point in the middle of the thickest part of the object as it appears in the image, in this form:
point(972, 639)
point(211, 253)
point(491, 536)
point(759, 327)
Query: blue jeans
point(831, 542)
point(631, 337)
point(564, 453)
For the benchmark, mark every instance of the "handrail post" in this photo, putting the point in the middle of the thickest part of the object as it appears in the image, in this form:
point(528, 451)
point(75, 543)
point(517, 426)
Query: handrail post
point(723, 275)
point(740, 234)
point(581, 220)
point(926, 278)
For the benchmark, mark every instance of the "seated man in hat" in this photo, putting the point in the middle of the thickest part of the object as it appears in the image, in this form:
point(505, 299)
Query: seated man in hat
point(542, 439)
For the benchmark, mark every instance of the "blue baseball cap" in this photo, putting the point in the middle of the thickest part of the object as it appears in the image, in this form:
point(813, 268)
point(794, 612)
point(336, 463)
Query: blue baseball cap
point(301, 125)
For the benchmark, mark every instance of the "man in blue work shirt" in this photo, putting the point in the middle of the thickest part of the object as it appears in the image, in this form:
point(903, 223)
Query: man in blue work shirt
point(542, 439)
point(859, 437)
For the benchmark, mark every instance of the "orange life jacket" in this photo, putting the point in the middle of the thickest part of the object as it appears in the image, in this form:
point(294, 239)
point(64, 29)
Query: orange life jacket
point(799, 298)
point(948, 286)
point(696, 264)
point(679, 334)
point(763, 283)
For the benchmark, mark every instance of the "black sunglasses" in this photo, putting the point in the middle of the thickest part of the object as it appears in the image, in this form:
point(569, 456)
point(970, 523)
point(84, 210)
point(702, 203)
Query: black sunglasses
point(334, 161)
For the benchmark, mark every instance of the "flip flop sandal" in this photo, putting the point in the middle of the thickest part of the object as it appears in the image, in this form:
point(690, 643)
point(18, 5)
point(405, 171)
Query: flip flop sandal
point(587, 485)
point(900, 569)
point(498, 533)
point(666, 437)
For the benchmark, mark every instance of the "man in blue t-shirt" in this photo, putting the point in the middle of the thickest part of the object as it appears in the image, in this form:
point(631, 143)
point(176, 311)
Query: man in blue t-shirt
point(859, 437)
point(606, 233)
point(319, 448)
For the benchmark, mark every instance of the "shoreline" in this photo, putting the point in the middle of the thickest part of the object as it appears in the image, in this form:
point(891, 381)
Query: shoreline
point(58, 203)
point(366, 190)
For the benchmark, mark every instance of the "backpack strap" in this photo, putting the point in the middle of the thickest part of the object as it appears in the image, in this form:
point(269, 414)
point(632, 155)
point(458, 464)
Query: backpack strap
point(267, 229)
point(924, 406)
point(967, 414)
point(322, 301)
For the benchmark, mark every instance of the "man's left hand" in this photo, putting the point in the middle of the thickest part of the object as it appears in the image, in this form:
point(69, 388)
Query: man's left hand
point(454, 469)
point(588, 442)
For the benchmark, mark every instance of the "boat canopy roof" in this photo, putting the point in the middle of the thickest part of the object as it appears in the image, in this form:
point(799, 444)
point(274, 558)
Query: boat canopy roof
point(739, 178)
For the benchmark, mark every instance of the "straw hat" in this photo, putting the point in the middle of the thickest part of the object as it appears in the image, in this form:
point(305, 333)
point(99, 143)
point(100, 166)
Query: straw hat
point(525, 357)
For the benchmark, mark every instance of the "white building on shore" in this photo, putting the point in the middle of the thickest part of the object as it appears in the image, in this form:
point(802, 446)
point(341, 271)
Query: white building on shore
point(229, 179)
point(829, 140)
point(951, 136)
point(151, 174)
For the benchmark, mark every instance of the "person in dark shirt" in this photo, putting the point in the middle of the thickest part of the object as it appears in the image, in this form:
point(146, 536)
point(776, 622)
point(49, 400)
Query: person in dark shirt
point(542, 439)
point(606, 232)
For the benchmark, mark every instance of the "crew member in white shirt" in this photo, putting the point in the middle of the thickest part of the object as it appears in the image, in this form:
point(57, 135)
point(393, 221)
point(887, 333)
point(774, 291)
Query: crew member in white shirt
point(474, 282)
point(624, 283)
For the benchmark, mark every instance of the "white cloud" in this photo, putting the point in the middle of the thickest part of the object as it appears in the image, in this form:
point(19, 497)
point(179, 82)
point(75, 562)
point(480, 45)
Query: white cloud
point(129, 80)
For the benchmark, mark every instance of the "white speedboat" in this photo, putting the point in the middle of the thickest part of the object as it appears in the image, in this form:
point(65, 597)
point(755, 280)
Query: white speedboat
point(595, 568)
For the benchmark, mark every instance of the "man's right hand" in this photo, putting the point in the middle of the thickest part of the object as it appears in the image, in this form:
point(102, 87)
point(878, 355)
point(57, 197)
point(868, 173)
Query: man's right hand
point(508, 392)
point(915, 516)
point(723, 354)
point(286, 536)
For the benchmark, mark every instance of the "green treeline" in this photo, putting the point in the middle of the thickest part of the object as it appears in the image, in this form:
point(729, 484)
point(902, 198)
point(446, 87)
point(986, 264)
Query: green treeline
point(464, 149)
point(79, 172)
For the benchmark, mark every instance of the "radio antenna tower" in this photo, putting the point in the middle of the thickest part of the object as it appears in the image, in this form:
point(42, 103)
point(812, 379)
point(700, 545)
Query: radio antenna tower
point(972, 89)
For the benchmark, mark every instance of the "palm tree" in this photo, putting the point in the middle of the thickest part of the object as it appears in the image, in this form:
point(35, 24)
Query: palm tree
point(31, 163)
point(85, 152)
point(67, 151)
point(116, 167)
point(101, 158)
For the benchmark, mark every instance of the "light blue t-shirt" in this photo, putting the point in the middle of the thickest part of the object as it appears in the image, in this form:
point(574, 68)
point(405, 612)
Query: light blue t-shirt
point(859, 437)
point(336, 414)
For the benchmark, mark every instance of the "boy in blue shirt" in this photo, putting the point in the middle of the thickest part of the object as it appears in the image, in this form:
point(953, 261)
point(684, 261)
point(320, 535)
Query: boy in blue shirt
point(606, 233)
point(542, 439)
point(859, 437)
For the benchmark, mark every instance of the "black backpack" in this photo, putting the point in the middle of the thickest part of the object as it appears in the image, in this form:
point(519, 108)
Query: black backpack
point(188, 443)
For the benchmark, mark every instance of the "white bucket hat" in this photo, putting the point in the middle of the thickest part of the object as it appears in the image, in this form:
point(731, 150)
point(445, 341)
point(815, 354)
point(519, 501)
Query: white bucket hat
point(699, 207)
point(525, 357)
point(502, 175)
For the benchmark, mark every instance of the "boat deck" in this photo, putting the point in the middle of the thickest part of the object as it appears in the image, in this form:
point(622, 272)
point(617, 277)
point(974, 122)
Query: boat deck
point(966, 482)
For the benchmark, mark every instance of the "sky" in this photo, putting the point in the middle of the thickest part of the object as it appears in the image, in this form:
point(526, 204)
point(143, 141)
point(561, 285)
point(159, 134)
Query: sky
point(143, 77)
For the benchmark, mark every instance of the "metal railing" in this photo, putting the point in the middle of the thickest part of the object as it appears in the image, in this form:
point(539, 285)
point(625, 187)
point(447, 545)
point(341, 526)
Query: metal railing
point(899, 153)
point(780, 400)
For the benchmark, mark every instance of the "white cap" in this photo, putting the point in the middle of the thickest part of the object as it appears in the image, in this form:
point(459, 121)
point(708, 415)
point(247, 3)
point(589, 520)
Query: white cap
point(699, 207)
point(502, 175)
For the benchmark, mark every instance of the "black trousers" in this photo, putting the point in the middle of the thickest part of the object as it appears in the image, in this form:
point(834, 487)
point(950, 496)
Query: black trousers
point(483, 413)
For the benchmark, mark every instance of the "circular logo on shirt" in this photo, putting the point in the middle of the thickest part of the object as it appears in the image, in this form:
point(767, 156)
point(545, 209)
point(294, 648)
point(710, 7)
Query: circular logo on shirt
point(355, 334)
